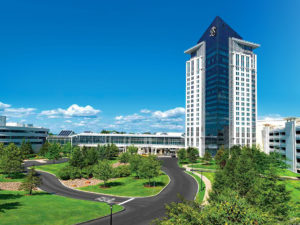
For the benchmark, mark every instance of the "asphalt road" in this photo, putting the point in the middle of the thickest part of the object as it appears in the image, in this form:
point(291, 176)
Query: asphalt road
point(139, 211)
point(142, 211)
point(52, 185)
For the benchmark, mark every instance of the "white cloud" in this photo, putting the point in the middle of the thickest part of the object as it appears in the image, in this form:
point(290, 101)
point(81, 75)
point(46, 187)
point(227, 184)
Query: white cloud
point(73, 111)
point(172, 113)
point(4, 106)
point(168, 126)
point(68, 121)
point(146, 111)
point(18, 112)
point(172, 119)
point(130, 118)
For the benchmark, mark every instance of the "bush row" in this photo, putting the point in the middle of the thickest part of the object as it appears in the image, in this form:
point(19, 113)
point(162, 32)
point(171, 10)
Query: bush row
point(71, 172)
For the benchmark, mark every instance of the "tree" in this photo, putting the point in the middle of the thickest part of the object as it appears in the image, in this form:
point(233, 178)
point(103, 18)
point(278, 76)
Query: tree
point(90, 156)
point(11, 160)
point(132, 149)
point(103, 171)
point(232, 209)
point(219, 156)
point(67, 148)
point(31, 181)
point(102, 152)
point(113, 151)
point(77, 159)
point(124, 157)
point(54, 152)
point(181, 154)
point(207, 156)
point(26, 149)
point(44, 149)
point(149, 168)
point(251, 173)
point(135, 161)
point(192, 154)
point(105, 132)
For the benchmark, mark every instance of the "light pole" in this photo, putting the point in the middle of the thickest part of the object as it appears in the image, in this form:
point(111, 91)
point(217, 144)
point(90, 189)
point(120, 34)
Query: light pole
point(110, 202)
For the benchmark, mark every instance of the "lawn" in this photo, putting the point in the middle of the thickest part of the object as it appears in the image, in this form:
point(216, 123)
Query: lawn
point(210, 176)
point(52, 168)
point(55, 168)
point(294, 187)
point(288, 173)
point(200, 194)
point(44, 208)
point(211, 165)
point(19, 177)
point(130, 187)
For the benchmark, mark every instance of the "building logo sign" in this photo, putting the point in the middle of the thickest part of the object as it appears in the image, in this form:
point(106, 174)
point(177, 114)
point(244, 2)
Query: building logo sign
point(213, 31)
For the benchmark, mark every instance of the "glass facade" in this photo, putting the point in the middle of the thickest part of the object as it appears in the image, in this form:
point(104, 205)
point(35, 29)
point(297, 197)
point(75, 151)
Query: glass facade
point(217, 83)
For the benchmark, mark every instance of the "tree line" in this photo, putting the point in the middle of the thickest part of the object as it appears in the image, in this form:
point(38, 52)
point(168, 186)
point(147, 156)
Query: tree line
point(246, 190)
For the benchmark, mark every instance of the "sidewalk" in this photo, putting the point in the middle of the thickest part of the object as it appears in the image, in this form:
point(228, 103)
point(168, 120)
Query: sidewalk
point(206, 182)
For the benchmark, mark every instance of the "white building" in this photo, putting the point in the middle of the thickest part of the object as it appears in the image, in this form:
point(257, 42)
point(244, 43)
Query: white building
point(16, 133)
point(221, 90)
point(282, 136)
point(161, 143)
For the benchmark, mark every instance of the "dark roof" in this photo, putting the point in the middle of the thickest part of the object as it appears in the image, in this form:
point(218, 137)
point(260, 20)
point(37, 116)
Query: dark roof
point(66, 133)
point(223, 29)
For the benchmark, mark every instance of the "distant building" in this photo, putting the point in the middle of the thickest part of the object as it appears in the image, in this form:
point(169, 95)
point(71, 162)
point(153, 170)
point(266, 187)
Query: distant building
point(62, 138)
point(161, 143)
point(282, 136)
point(16, 133)
point(221, 87)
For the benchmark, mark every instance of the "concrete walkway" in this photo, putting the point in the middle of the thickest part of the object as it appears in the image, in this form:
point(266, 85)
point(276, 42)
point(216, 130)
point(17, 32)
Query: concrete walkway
point(206, 181)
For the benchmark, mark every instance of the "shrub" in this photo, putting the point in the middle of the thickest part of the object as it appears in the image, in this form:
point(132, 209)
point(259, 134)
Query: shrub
point(122, 171)
point(87, 172)
point(69, 172)
point(64, 173)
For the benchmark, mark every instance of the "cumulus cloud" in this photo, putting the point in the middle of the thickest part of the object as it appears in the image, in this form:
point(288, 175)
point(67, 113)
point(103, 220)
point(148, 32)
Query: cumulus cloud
point(130, 118)
point(4, 106)
point(73, 111)
point(146, 111)
point(172, 119)
point(18, 112)
point(172, 113)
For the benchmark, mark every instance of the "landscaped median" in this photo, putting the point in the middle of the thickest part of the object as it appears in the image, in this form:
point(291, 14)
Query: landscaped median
point(130, 186)
point(141, 177)
point(42, 208)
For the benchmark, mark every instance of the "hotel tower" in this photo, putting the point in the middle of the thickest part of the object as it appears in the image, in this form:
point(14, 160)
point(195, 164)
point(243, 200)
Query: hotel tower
point(221, 90)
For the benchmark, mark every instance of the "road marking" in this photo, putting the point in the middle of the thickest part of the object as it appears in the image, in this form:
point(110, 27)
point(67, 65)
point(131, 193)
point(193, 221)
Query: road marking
point(126, 201)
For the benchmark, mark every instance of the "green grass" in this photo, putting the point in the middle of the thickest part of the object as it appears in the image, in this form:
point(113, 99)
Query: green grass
point(294, 187)
point(210, 176)
point(19, 177)
point(43, 208)
point(288, 173)
point(211, 165)
point(130, 186)
point(52, 168)
point(55, 168)
point(200, 194)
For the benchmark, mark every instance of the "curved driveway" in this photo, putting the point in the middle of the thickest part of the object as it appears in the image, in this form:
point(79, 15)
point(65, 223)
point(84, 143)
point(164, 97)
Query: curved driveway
point(139, 211)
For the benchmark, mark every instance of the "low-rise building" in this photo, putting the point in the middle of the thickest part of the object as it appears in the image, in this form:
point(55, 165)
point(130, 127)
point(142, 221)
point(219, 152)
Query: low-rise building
point(161, 143)
point(16, 133)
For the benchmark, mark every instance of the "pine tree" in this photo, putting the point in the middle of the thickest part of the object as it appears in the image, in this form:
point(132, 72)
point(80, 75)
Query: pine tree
point(31, 181)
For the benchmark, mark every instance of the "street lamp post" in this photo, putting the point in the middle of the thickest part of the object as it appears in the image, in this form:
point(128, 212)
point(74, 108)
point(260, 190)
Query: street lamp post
point(110, 202)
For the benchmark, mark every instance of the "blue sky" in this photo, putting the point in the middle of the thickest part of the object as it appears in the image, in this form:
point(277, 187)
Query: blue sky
point(92, 65)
